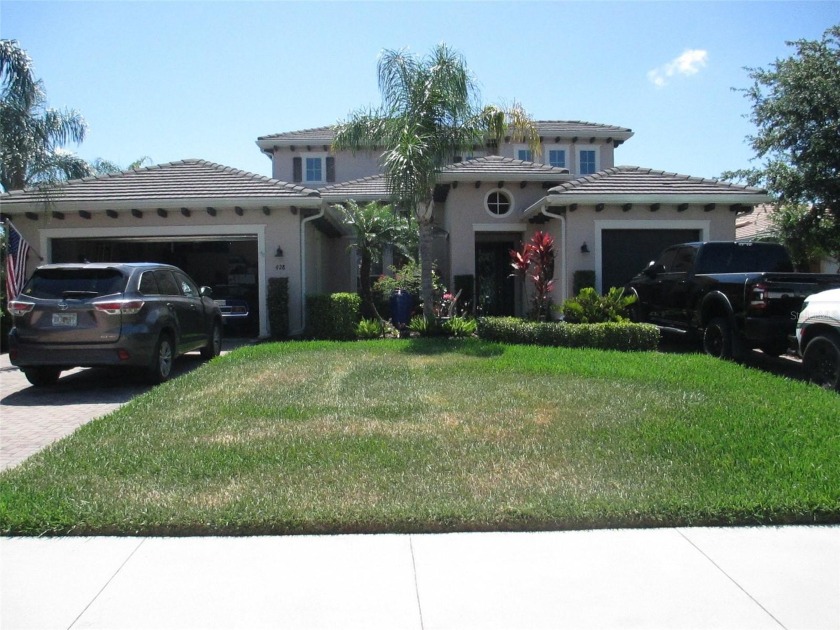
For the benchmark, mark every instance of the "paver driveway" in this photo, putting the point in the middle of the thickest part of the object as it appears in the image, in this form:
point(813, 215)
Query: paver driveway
point(32, 418)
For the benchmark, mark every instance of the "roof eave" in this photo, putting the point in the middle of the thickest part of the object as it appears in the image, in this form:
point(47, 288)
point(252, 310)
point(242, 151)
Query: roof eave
point(746, 198)
point(565, 199)
point(31, 205)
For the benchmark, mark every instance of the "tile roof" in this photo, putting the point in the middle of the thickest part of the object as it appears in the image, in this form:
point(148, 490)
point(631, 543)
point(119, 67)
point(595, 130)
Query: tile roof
point(755, 224)
point(175, 181)
point(572, 128)
point(373, 187)
point(635, 180)
point(566, 129)
point(497, 166)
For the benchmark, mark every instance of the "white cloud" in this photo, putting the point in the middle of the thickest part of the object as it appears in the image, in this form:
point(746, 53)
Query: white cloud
point(687, 64)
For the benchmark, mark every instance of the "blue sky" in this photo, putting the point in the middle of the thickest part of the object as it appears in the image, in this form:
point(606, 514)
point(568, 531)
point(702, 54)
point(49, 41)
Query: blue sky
point(176, 80)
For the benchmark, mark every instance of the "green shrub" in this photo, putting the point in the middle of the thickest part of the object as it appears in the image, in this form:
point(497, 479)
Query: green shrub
point(459, 327)
point(465, 284)
point(590, 308)
point(406, 278)
point(372, 328)
point(583, 278)
point(425, 327)
point(278, 307)
point(604, 336)
point(332, 316)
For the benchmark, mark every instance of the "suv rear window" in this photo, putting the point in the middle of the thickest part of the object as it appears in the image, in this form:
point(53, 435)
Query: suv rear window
point(74, 283)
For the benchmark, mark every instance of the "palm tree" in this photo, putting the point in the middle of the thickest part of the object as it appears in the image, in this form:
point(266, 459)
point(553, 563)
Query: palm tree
point(32, 136)
point(430, 113)
point(101, 166)
point(376, 226)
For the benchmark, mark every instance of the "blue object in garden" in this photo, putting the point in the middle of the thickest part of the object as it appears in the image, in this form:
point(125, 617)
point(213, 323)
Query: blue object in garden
point(401, 305)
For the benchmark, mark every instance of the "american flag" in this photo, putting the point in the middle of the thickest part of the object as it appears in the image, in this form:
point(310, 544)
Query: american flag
point(15, 262)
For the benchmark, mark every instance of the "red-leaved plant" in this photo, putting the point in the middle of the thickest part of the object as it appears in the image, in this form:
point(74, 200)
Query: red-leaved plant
point(536, 262)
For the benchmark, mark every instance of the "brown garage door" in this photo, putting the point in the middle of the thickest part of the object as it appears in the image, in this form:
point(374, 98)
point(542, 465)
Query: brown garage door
point(624, 253)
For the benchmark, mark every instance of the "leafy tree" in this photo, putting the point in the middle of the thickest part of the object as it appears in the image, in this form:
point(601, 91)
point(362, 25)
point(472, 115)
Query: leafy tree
point(429, 114)
point(806, 232)
point(32, 136)
point(796, 110)
point(376, 226)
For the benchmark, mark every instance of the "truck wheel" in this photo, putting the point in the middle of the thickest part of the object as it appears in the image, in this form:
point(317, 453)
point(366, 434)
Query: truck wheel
point(719, 340)
point(42, 376)
point(161, 366)
point(822, 362)
point(214, 343)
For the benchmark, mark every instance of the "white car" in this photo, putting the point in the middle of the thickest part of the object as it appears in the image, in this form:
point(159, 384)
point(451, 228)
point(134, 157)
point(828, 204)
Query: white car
point(818, 336)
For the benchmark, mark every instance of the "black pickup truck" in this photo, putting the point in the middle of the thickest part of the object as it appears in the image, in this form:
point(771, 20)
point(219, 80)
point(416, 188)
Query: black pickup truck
point(735, 296)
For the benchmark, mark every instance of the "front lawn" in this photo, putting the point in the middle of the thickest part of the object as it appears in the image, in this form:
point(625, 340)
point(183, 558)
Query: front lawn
point(437, 435)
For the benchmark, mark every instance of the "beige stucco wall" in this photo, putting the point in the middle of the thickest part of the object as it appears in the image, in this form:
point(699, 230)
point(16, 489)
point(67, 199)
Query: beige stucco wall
point(347, 166)
point(585, 225)
point(279, 229)
point(605, 152)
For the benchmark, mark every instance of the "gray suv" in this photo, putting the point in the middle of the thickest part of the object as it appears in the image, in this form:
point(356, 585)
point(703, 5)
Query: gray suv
point(103, 314)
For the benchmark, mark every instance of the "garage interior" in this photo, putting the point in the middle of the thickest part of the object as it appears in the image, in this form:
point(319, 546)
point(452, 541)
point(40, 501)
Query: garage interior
point(227, 264)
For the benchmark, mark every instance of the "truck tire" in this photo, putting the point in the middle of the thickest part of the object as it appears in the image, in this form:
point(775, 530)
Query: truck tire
point(719, 340)
point(43, 376)
point(160, 368)
point(821, 360)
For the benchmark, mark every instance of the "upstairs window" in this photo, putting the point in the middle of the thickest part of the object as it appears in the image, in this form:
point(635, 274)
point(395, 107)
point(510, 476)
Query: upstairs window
point(525, 154)
point(557, 157)
point(313, 169)
point(587, 161)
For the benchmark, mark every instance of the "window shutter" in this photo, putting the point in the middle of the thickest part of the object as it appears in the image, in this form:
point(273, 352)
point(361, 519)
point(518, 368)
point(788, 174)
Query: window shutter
point(330, 169)
point(297, 168)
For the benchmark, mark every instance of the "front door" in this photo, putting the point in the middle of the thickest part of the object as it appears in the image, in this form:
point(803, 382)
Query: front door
point(495, 284)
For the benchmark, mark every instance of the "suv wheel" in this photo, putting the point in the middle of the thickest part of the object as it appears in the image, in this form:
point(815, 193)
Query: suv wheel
point(161, 367)
point(42, 376)
point(822, 362)
point(214, 343)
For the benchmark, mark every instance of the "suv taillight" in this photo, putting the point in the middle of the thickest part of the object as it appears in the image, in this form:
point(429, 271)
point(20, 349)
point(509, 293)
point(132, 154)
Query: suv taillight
point(20, 308)
point(758, 296)
point(124, 307)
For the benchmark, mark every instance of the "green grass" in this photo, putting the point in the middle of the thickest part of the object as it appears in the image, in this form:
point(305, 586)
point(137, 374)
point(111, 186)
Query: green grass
point(436, 435)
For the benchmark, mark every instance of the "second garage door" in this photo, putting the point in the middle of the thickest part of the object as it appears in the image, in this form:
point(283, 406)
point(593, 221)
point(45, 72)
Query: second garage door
point(624, 253)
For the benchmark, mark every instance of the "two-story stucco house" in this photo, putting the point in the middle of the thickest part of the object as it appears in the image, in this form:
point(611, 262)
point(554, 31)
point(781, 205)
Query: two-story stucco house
point(225, 226)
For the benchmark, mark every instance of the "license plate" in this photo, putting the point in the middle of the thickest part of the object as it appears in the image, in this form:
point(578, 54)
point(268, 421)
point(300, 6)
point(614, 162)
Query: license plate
point(64, 319)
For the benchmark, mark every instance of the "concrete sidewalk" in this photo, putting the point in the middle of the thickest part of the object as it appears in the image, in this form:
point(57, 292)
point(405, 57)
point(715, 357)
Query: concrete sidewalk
point(667, 578)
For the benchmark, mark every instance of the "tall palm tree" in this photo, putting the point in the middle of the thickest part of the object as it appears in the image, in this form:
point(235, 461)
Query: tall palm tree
point(430, 113)
point(32, 136)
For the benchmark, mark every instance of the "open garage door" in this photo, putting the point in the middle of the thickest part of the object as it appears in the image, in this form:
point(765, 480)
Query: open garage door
point(625, 252)
point(227, 263)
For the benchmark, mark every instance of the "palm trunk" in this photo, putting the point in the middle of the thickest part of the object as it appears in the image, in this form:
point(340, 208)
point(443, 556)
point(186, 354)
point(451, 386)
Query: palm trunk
point(426, 263)
point(368, 308)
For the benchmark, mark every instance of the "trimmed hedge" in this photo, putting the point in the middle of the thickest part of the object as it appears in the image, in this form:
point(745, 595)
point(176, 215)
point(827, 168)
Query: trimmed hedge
point(610, 336)
point(278, 307)
point(332, 316)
